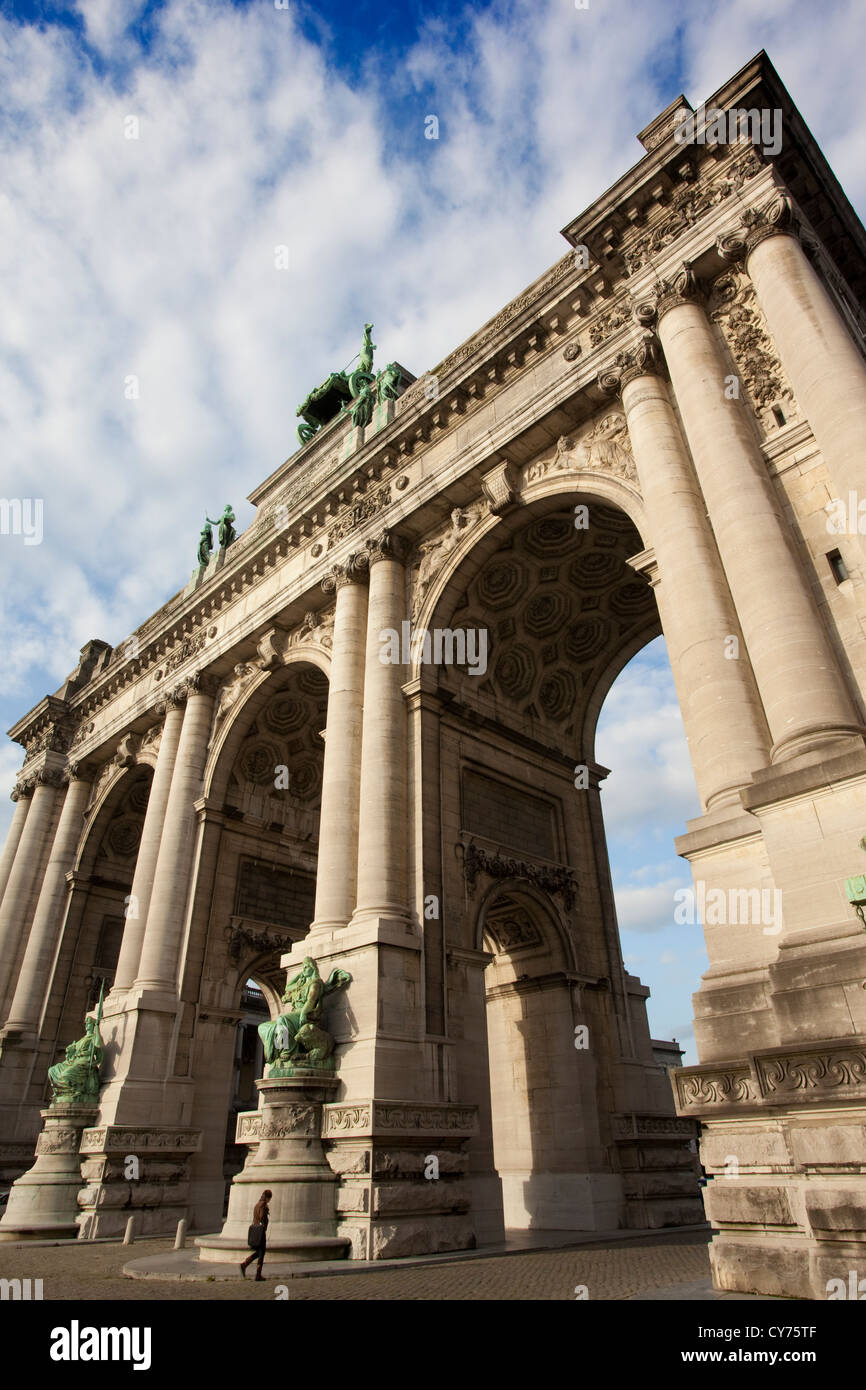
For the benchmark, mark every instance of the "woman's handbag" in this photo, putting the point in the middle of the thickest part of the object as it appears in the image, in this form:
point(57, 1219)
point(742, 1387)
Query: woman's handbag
point(255, 1236)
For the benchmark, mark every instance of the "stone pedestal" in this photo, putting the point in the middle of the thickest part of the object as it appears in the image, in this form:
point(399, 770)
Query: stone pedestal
point(289, 1159)
point(43, 1203)
point(135, 1170)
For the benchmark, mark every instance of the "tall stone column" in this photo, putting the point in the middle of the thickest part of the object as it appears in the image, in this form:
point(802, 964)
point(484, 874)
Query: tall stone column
point(21, 797)
point(148, 850)
point(42, 941)
point(383, 885)
point(724, 722)
point(163, 931)
point(27, 871)
point(824, 364)
point(804, 695)
point(336, 877)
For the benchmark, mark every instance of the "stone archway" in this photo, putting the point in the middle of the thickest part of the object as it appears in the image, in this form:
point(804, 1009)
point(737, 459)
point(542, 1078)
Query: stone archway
point(526, 881)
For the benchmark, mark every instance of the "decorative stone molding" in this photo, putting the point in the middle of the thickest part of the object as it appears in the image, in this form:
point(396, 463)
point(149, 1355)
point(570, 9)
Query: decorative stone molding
point(293, 1119)
point(699, 1087)
point(190, 645)
point(609, 321)
point(135, 1138)
point(56, 1141)
point(500, 486)
point(376, 1118)
point(822, 1071)
point(641, 1126)
point(572, 351)
point(803, 1074)
point(732, 304)
point(248, 1127)
point(128, 750)
point(271, 647)
point(550, 880)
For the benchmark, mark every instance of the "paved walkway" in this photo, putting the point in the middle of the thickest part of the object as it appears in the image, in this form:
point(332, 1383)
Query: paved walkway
point(664, 1267)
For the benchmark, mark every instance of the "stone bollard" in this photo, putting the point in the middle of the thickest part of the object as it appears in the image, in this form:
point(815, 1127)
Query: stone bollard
point(180, 1238)
point(129, 1233)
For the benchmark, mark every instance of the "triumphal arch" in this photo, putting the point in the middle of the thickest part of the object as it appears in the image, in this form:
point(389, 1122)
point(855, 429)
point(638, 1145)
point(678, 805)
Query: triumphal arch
point(363, 735)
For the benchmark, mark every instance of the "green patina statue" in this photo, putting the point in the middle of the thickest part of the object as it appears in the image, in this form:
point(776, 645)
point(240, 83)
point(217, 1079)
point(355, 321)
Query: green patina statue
point(388, 382)
point(225, 523)
point(75, 1081)
point(205, 544)
point(341, 393)
point(295, 1040)
point(368, 347)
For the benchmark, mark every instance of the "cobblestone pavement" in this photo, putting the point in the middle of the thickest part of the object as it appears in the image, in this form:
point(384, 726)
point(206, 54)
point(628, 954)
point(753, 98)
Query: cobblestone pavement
point(619, 1270)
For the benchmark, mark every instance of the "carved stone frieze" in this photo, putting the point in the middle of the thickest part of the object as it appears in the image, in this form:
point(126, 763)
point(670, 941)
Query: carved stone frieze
point(288, 1120)
point(797, 1075)
point(434, 551)
point(715, 1087)
point(821, 1071)
point(53, 737)
point(603, 446)
point(375, 1118)
point(232, 689)
point(248, 1128)
point(247, 941)
point(360, 512)
point(57, 1141)
point(317, 628)
point(495, 865)
point(132, 1139)
point(687, 205)
point(609, 321)
point(190, 645)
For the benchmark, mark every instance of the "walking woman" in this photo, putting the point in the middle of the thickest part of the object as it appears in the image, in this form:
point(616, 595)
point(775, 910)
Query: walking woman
point(257, 1238)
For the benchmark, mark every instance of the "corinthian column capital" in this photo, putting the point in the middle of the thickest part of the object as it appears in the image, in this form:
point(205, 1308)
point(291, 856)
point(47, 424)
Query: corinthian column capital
point(777, 218)
point(355, 570)
point(681, 288)
point(645, 359)
point(386, 546)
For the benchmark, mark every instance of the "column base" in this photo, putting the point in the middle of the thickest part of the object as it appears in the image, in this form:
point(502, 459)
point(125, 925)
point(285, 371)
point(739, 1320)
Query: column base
point(288, 1158)
point(403, 1176)
point(782, 1145)
point(43, 1203)
point(154, 1188)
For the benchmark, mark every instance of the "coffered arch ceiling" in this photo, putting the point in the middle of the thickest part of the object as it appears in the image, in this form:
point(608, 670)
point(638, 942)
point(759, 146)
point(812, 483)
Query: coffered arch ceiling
point(281, 727)
point(563, 612)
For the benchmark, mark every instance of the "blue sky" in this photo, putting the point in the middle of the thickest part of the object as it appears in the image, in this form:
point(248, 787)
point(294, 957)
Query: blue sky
point(256, 126)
